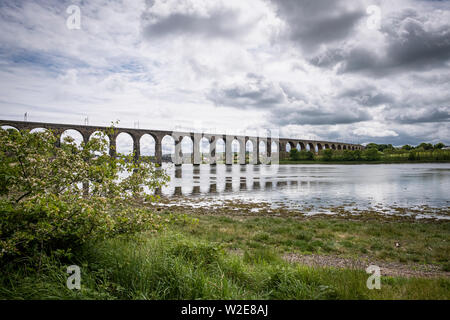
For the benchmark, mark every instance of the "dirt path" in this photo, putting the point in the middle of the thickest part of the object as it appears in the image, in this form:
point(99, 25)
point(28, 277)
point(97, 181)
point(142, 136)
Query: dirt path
point(392, 269)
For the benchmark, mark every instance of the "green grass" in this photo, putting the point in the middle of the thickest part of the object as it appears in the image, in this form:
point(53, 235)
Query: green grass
point(420, 242)
point(224, 258)
point(175, 266)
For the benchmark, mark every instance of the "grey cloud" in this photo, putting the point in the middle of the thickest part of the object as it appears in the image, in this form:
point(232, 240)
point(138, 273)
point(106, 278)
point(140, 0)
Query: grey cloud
point(422, 116)
point(312, 23)
point(286, 104)
point(339, 115)
point(411, 45)
point(222, 24)
point(254, 92)
point(368, 96)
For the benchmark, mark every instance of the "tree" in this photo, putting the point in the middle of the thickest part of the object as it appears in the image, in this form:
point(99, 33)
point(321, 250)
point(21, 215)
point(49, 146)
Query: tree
point(425, 146)
point(357, 155)
point(347, 155)
point(407, 147)
point(294, 154)
point(327, 154)
point(309, 155)
point(371, 154)
point(372, 145)
point(439, 145)
point(59, 198)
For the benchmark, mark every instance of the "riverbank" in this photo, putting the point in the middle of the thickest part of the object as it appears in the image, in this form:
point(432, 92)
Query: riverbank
point(361, 162)
point(246, 257)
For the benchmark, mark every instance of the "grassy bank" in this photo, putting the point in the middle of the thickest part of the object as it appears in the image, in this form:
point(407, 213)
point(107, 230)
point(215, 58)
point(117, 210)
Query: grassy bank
point(385, 161)
point(374, 154)
point(417, 242)
point(242, 258)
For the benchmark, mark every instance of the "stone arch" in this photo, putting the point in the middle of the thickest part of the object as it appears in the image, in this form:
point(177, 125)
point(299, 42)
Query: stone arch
point(76, 135)
point(235, 150)
point(262, 148)
point(250, 150)
point(220, 149)
point(124, 143)
point(273, 147)
point(38, 129)
point(204, 148)
point(167, 148)
point(333, 146)
point(310, 146)
point(262, 151)
point(8, 127)
point(319, 147)
point(339, 147)
point(147, 145)
point(187, 146)
point(203, 145)
point(101, 135)
point(300, 146)
point(289, 146)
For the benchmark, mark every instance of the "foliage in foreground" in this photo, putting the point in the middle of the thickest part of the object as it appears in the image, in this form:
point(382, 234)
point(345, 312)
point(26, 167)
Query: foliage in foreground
point(56, 198)
point(176, 266)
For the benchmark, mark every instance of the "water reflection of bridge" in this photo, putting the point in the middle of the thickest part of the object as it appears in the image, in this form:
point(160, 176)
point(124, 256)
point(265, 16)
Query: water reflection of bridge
point(198, 182)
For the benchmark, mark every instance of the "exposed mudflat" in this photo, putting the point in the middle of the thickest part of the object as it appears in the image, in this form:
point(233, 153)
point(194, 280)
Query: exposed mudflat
point(391, 269)
point(218, 206)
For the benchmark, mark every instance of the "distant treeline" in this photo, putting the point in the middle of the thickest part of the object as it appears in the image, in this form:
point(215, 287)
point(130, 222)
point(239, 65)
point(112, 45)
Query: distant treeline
point(377, 152)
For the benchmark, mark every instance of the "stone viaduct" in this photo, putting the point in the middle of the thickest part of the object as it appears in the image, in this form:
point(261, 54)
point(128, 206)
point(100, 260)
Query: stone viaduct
point(158, 135)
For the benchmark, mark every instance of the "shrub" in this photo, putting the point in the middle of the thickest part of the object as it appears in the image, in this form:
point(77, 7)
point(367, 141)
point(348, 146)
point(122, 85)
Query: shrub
point(347, 155)
point(407, 147)
point(412, 156)
point(371, 154)
point(439, 145)
point(357, 155)
point(60, 197)
point(294, 154)
point(425, 146)
point(327, 154)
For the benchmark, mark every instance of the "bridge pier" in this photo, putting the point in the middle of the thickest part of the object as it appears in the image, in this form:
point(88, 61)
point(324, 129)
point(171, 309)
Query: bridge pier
point(112, 145)
point(254, 142)
point(178, 160)
point(212, 151)
point(196, 154)
point(242, 155)
point(158, 151)
point(136, 148)
point(228, 150)
point(258, 161)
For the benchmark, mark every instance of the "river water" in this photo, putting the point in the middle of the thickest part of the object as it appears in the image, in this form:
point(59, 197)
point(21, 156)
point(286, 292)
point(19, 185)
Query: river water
point(422, 190)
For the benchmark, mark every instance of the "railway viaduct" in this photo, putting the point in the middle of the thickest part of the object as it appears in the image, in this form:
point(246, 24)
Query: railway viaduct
point(86, 132)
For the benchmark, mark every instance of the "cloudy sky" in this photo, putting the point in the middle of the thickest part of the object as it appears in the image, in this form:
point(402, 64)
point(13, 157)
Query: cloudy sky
point(355, 71)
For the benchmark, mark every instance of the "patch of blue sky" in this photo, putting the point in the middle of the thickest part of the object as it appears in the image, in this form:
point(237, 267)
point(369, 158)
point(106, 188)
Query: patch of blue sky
point(50, 61)
point(130, 66)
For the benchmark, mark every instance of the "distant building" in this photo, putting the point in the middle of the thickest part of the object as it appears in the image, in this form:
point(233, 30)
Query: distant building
point(445, 148)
